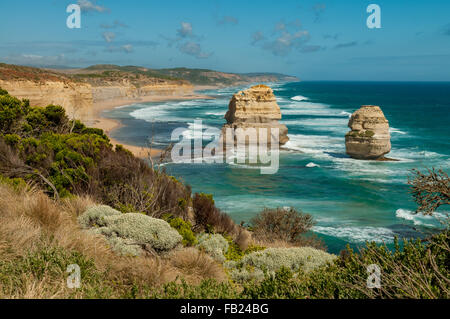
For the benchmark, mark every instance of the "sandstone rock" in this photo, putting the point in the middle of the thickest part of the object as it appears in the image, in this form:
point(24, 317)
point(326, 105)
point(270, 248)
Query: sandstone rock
point(255, 108)
point(75, 98)
point(369, 137)
point(79, 98)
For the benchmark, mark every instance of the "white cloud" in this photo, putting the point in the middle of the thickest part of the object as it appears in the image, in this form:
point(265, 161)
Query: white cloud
point(109, 36)
point(228, 20)
point(38, 60)
point(194, 49)
point(185, 41)
point(257, 36)
point(91, 6)
point(115, 24)
point(285, 38)
point(185, 30)
point(126, 48)
point(319, 9)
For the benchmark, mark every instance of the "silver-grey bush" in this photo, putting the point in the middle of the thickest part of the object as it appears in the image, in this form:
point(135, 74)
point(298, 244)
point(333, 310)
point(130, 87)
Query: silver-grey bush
point(130, 234)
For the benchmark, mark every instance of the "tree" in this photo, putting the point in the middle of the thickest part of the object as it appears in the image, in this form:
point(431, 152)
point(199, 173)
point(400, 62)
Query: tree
point(430, 191)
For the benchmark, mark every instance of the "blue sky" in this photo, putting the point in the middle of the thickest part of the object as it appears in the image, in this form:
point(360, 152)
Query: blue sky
point(314, 40)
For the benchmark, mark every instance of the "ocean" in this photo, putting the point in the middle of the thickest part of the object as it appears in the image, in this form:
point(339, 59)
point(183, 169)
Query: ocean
point(352, 201)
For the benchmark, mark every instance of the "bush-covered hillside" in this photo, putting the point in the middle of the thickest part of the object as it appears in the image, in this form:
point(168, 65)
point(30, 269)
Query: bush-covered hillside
point(66, 158)
point(67, 196)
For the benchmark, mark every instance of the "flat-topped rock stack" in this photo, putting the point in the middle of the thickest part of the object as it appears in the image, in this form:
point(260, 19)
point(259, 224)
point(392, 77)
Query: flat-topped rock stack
point(369, 137)
point(257, 108)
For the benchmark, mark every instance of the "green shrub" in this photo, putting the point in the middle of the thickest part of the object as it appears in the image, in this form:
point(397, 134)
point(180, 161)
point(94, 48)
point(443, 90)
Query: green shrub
point(346, 278)
point(130, 234)
point(12, 139)
point(95, 131)
point(416, 261)
point(66, 158)
point(96, 216)
point(233, 253)
point(214, 245)
point(287, 225)
point(185, 230)
point(207, 289)
point(121, 246)
point(369, 134)
point(270, 260)
point(11, 111)
point(17, 184)
point(50, 263)
point(209, 218)
point(282, 285)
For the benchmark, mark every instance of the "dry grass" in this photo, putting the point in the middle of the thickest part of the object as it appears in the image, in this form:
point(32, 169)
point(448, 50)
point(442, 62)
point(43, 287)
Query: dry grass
point(243, 238)
point(30, 222)
point(276, 243)
point(195, 265)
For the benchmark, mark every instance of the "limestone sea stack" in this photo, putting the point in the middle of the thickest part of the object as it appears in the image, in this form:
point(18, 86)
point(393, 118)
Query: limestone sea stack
point(256, 108)
point(369, 138)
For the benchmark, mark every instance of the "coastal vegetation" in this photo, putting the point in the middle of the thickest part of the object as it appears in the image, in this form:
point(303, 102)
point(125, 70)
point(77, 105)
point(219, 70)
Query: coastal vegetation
point(137, 75)
point(67, 196)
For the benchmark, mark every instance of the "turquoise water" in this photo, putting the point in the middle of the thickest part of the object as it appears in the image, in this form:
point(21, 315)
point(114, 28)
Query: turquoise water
point(352, 201)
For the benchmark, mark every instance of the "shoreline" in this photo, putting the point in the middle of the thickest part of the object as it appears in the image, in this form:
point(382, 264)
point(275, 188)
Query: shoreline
point(108, 125)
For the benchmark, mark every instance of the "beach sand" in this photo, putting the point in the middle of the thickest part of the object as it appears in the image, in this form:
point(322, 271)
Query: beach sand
point(109, 125)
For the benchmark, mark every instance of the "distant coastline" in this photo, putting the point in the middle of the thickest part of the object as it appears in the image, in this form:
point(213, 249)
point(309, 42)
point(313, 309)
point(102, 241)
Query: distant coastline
point(86, 93)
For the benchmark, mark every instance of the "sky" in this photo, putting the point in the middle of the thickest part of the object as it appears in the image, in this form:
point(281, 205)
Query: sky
point(314, 40)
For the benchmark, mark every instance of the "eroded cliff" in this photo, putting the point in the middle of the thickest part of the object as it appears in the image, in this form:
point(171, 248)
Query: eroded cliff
point(78, 93)
point(369, 137)
point(255, 108)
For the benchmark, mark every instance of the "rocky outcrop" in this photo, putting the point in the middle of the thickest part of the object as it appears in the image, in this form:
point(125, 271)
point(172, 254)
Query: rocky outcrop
point(255, 108)
point(369, 137)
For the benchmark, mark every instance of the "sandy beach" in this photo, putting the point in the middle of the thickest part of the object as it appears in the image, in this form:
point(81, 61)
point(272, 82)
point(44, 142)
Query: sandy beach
point(109, 125)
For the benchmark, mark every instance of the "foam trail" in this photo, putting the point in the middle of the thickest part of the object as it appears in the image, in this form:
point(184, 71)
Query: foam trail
point(395, 130)
point(299, 98)
point(356, 234)
point(344, 113)
point(420, 219)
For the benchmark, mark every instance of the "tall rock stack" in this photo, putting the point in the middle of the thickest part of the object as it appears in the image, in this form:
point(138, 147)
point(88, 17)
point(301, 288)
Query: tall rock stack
point(255, 108)
point(369, 137)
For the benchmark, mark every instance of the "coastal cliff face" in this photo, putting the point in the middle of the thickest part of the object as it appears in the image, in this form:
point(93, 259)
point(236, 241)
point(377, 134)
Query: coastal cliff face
point(255, 108)
point(78, 93)
point(369, 137)
point(128, 91)
point(76, 98)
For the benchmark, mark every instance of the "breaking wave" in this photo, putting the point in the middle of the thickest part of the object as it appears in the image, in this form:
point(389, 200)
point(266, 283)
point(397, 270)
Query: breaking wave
point(356, 234)
point(299, 98)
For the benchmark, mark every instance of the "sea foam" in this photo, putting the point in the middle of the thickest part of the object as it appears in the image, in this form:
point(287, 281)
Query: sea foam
point(355, 234)
point(420, 219)
point(299, 98)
